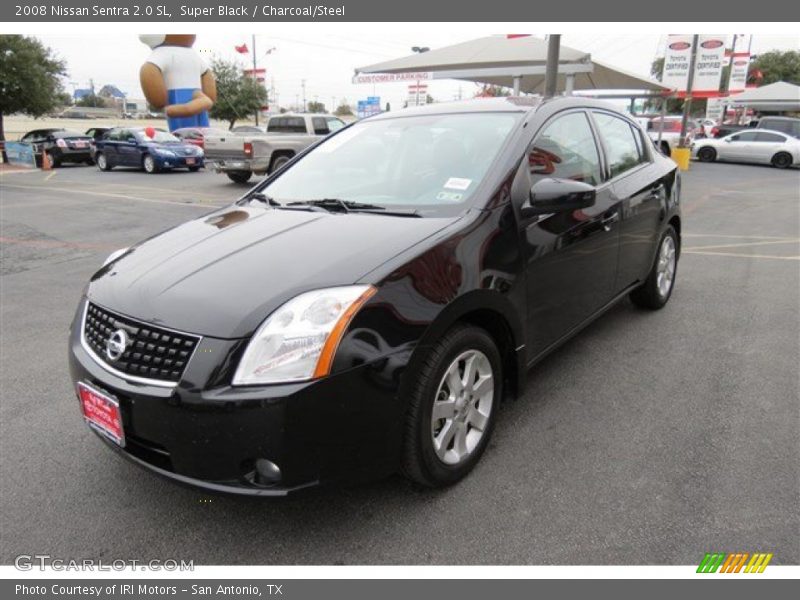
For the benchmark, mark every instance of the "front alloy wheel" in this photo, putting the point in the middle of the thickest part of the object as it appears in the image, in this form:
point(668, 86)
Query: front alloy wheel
point(452, 404)
point(149, 164)
point(462, 407)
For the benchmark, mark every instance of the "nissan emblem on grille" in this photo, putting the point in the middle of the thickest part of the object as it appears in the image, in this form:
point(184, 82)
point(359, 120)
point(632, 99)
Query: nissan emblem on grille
point(116, 344)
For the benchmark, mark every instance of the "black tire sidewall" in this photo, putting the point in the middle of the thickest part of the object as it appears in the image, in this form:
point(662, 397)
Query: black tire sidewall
point(776, 160)
point(707, 154)
point(462, 340)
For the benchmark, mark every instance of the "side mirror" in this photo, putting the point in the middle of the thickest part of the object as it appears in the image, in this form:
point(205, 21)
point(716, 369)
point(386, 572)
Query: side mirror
point(556, 195)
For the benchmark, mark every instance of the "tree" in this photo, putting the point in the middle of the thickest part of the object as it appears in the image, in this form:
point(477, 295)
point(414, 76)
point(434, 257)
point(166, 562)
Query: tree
point(492, 91)
point(778, 66)
point(238, 95)
point(316, 107)
point(29, 78)
point(343, 110)
point(90, 101)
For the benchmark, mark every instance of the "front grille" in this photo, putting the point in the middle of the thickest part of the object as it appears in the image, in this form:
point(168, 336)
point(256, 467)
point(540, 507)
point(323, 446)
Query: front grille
point(151, 352)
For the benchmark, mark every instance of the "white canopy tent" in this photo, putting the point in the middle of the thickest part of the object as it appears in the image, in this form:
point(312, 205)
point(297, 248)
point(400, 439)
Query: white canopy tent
point(775, 97)
point(517, 63)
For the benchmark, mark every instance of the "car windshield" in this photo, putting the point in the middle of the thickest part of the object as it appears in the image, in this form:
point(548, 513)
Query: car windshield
point(411, 162)
point(160, 137)
point(69, 134)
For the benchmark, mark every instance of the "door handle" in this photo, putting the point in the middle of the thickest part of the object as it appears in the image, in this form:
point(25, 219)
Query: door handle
point(608, 221)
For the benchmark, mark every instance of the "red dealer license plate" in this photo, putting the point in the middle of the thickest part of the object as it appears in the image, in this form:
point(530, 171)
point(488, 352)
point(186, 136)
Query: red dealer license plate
point(101, 412)
point(189, 161)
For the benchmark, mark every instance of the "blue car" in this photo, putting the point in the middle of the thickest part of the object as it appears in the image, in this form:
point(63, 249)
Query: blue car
point(150, 149)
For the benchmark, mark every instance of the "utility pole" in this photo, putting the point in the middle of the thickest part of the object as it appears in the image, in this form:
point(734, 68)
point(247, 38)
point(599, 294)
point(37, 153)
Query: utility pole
point(551, 73)
point(255, 66)
point(303, 85)
point(687, 104)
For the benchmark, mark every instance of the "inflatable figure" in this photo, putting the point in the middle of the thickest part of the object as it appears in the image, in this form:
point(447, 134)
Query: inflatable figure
point(178, 80)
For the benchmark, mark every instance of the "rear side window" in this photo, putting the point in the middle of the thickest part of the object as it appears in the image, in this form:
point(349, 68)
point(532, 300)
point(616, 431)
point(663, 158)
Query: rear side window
point(769, 137)
point(287, 125)
point(620, 143)
point(566, 149)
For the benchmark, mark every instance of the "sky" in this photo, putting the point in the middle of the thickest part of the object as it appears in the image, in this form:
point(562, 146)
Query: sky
point(326, 59)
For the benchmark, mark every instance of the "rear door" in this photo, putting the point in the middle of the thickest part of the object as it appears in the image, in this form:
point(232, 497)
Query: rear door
point(769, 144)
point(741, 146)
point(642, 199)
point(571, 256)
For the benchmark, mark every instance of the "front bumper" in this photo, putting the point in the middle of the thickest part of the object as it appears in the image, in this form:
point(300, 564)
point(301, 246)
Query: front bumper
point(178, 162)
point(206, 433)
point(224, 165)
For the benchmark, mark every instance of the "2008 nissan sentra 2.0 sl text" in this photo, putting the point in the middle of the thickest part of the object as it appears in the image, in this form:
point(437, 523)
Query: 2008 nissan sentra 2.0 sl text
point(368, 307)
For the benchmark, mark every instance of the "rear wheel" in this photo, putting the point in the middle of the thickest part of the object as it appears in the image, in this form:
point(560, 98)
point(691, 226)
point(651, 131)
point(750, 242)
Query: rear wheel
point(54, 160)
point(102, 162)
point(707, 154)
point(657, 288)
point(782, 160)
point(278, 162)
point(665, 148)
point(239, 176)
point(149, 164)
point(452, 407)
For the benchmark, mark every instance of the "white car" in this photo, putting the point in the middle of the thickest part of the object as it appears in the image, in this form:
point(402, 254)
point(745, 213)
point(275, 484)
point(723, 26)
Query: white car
point(754, 146)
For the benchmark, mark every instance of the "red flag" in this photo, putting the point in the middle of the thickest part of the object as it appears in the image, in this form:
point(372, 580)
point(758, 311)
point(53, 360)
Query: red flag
point(242, 49)
point(513, 36)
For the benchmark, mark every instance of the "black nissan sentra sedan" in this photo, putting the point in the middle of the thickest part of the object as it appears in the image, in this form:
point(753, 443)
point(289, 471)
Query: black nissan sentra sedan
point(368, 308)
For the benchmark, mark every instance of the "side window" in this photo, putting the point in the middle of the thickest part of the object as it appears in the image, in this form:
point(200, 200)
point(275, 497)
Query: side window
point(747, 136)
point(296, 124)
point(566, 149)
point(320, 126)
point(619, 141)
point(277, 125)
point(769, 137)
point(334, 124)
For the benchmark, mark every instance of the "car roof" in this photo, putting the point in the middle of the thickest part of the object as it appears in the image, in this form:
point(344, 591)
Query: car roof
point(780, 118)
point(512, 104)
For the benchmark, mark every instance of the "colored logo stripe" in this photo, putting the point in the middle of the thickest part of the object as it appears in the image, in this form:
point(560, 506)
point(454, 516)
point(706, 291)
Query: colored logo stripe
point(733, 562)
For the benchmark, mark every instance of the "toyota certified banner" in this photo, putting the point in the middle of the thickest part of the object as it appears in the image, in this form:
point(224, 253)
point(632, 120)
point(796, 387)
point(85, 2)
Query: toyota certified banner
point(708, 62)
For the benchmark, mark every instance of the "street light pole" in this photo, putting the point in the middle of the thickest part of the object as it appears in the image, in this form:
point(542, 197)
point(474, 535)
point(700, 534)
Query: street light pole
point(255, 75)
point(551, 73)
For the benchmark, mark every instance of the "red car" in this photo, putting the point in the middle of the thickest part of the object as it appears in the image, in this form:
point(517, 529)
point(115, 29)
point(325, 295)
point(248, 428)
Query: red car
point(196, 135)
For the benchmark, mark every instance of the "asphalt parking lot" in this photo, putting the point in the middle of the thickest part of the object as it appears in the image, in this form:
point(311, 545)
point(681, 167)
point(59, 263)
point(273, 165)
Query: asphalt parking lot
point(651, 438)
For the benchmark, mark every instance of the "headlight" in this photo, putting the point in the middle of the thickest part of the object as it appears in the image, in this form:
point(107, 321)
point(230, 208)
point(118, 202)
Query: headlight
point(115, 255)
point(298, 341)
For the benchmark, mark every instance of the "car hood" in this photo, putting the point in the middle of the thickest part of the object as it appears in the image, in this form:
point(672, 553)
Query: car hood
point(221, 275)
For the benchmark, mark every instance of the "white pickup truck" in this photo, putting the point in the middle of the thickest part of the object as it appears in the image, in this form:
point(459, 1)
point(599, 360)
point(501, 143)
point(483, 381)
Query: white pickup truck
point(240, 156)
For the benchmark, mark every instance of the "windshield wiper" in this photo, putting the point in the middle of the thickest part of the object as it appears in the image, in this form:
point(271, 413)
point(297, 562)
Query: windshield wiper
point(261, 197)
point(347, 206)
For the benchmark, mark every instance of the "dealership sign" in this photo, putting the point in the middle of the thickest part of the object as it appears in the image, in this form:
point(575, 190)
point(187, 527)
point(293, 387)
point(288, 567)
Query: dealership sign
point(20, 154)
point(737, 81)
point(708, 63)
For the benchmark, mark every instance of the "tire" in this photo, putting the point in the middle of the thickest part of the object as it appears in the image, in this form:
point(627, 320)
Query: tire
point(194, 169)
point(278, 162)
point(149, 164)
point(782, 160)
point(655, 292)
point(706, 154)
point(54, 161)
point(102, 162)
point(466, 432)
point(665, 149)
point(239, 176)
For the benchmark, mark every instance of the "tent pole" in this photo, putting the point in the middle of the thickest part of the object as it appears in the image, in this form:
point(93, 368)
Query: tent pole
point(569, 85)
point(551, 75)
point(516, 85)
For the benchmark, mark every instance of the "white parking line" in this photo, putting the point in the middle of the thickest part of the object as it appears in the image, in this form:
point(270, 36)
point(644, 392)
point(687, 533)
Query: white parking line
point(61, 190)
point(737, 255)
point(764, 243)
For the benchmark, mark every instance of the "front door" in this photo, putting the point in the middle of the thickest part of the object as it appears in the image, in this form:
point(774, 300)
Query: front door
point(571, 256)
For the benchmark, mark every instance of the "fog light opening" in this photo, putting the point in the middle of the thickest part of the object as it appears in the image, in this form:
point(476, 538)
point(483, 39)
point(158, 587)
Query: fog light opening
point(267, 472)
